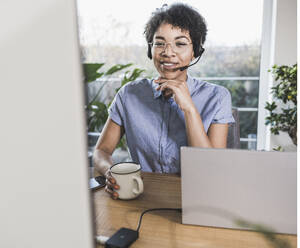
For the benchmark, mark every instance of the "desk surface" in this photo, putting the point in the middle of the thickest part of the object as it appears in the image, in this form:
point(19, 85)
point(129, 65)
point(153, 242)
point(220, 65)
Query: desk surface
point(164, 229)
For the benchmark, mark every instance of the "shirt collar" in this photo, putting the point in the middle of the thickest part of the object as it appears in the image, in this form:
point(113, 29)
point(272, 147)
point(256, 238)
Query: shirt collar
point(157, 93)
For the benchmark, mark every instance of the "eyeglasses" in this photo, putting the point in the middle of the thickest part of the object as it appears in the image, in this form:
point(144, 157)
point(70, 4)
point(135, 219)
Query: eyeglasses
point(177, 46)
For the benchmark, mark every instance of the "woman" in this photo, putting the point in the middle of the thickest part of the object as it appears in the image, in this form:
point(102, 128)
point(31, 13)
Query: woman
point(159, 116)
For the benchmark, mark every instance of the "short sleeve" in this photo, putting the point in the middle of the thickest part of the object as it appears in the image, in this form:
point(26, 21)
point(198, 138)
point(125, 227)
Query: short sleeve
point(116, 110)
point(224, 109)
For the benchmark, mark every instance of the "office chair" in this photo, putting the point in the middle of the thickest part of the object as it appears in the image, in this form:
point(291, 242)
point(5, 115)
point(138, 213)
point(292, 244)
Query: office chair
point(233, 137)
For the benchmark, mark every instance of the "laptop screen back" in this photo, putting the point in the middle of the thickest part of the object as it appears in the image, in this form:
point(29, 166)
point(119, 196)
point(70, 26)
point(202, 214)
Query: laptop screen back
point(239, 189)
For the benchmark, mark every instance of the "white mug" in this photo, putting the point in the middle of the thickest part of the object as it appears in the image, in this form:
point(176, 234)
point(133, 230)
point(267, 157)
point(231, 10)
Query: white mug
point(128, 177)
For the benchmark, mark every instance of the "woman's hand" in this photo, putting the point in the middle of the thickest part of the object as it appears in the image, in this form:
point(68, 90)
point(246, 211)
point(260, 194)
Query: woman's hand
point(180, 92)
point(111, 185)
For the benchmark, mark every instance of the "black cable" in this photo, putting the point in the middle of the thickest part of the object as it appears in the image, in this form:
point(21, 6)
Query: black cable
point(155, 209)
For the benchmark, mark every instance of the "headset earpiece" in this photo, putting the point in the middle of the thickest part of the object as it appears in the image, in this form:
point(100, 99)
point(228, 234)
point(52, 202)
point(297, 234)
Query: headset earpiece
point(149, 51)
point(200, 52)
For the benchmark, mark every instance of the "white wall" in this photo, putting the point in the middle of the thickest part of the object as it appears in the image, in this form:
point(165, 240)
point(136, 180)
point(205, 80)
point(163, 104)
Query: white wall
point(285, 53)
point(286, 32)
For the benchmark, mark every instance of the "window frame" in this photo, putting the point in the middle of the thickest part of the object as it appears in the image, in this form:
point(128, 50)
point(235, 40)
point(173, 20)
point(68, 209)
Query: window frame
point(265, 78)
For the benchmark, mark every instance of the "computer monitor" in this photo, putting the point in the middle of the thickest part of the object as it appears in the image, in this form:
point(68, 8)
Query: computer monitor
point(44, 195)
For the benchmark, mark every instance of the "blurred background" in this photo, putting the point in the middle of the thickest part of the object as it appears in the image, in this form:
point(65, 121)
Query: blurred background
point(111, 33)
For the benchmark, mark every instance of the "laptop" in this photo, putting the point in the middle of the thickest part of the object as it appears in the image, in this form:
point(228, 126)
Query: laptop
point(239, 189)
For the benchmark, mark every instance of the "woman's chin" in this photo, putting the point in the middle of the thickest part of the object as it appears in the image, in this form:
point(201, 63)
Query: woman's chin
point(173, 75)
point(169, 74)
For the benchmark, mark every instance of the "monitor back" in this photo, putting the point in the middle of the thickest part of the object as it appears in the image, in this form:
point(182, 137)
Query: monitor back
point(239, 189)
point(45, 201)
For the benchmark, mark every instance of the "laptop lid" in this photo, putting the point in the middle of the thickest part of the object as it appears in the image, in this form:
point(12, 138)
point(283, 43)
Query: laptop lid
point(45, 200)
point(239, 189)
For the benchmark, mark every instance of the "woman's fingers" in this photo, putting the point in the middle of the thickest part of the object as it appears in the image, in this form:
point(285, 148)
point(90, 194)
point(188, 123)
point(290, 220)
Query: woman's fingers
point(108, 190)
point(167, 93)
point(112, 193)
point(109, 177)
point(115, 195)
point(170, 87)
point(111, 185)
point(111, 182)
point(164, 83)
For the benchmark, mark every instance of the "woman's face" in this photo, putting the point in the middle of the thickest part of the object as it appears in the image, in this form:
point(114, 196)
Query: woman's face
point(172, 48)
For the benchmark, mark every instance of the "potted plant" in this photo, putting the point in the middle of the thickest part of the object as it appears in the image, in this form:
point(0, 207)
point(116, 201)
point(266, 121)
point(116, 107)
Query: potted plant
point(284, 118)
point(96, 110)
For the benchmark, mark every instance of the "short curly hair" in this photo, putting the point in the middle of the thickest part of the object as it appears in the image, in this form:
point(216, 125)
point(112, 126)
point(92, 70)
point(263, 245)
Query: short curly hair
point(178, 15)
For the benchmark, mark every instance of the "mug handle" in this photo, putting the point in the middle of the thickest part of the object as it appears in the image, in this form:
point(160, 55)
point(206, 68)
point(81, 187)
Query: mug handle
point(140, 184)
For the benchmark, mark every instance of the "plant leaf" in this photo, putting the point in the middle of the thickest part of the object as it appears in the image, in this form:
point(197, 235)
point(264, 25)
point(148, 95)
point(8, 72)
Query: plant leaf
point(116, 68)
point(90, 72)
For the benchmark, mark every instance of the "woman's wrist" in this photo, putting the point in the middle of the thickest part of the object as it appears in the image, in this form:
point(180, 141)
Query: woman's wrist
point(102, 161)
point(191, 110)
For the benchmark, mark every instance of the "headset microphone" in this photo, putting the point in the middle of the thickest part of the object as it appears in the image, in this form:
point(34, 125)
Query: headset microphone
point(187, 66)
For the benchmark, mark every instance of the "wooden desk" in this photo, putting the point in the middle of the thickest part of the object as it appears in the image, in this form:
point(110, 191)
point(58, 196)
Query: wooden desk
point(164, 228)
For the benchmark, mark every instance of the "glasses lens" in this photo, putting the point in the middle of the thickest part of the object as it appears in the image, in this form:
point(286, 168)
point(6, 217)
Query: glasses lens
point(180, 46)
point(177, 46)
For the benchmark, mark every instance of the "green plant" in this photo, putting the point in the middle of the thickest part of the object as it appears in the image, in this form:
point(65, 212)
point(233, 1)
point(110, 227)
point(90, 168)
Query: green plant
point(285, 91)
point(268, 233)
point(97, 111)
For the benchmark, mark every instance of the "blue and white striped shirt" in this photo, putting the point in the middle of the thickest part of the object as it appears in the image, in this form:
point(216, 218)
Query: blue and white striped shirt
point(155, 127)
